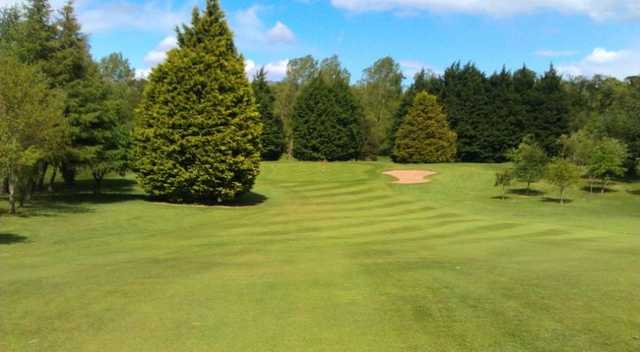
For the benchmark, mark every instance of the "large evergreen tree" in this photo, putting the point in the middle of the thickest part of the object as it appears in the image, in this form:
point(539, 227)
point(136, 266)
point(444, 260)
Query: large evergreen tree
point(272, 131)
point(423, 81)
point(550, 118)
point(327, 121)
point(424, 136)
point(198, 132)
point(467, 103)
point(72, 69)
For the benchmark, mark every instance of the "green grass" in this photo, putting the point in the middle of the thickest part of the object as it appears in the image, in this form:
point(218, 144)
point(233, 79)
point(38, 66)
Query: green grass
point(326, 257)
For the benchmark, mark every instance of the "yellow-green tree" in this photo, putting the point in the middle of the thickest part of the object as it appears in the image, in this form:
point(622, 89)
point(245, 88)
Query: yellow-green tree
point(31, 125)
point(424, 136)
point(198, 130)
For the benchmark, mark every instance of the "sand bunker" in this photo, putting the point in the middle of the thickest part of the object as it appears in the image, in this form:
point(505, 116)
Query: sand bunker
point(410, 177)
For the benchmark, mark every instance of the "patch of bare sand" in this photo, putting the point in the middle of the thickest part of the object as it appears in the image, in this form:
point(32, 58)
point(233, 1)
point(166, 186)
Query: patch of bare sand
point(410, 177)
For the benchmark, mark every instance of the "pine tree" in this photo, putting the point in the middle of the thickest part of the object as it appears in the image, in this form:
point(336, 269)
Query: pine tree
point(327, 122)
point(72, 69)
point(39, 34)
point(273, 129)
point(424, 136)
point(198, 131)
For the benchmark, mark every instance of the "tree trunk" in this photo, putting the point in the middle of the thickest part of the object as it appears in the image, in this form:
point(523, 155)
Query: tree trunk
point(52, 180)
point(68, 174)
point(528, 187)
point(97, 186)
point(12, 195)
point(5, 185)
point(562, 196)
point(41, 176)
point(605, 182)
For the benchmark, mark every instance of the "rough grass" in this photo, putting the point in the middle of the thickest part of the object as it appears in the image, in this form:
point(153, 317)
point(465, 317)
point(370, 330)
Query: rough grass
point(326, 257)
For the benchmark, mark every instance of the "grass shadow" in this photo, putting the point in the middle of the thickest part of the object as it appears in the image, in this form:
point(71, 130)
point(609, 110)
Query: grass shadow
point(10, 238)
point(634, 192)
point(500, 198)
point(109, 185)
point(556, 200)
point(526, 192)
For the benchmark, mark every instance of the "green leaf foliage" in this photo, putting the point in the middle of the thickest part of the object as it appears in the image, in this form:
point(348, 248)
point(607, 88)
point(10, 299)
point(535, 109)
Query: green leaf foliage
point(327, 122)
point(563, 174)
point(273, 128)
point(198, 130)
point(424, 136)
point(529, 161)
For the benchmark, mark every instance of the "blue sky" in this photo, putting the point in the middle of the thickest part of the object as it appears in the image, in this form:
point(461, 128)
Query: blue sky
point(579, 36)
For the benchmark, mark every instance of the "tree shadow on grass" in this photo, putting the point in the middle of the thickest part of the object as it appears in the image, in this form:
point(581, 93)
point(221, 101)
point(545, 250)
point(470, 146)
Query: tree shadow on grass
point(247, 200)
point(109, 185)
point(501, 198)
point(555, 200)
point(526, 192)
point(10, 238)
point(634, 192)
point(599, 189)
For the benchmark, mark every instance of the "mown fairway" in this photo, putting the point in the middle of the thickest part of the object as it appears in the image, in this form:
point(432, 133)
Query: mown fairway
point(335, 259)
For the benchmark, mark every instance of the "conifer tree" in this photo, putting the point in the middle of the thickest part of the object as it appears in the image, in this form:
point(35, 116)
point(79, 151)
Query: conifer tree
point(327, 122)
point(198, 129)
point(424, 136)
point(273, 129)
point(550, 107)
point(72, 69)
point(423, 81)
point(39, 34)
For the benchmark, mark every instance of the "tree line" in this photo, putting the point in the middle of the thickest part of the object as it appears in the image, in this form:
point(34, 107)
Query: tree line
point(201, 127)
point(60, 110)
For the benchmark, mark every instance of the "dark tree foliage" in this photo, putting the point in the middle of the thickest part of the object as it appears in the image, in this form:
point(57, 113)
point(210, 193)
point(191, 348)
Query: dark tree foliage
point(467, 103)
point(424, 136)
point(327, 122)
point(506, 115)
point(272, 140)
point(423, 81)
point(198, 130)
point(550, 111)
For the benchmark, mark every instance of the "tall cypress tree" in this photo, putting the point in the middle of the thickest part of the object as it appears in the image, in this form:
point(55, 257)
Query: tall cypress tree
point(273, 127)
point(327, 122)
point(198, 131)
point(424, 136)
point(506, 115)
point(423, 81)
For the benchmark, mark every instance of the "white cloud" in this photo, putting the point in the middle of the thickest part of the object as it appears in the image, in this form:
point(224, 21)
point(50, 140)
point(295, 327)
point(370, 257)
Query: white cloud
point(620, 64)
point(251, 32)
point(596, 9)
point(276, 71)
point(602, 56)
point(556, 53)
point(159, 53)
point(280, 33)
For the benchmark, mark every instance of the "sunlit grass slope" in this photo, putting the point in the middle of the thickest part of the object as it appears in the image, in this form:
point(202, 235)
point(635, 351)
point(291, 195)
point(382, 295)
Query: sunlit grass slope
point(326, 257)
